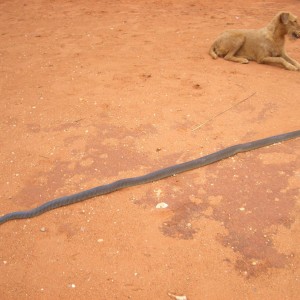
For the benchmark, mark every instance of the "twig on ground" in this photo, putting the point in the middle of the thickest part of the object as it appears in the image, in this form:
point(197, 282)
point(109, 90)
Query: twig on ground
point(217, 115)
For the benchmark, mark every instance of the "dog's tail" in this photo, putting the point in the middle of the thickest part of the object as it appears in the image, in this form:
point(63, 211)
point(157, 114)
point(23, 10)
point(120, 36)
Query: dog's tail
point(212, 51)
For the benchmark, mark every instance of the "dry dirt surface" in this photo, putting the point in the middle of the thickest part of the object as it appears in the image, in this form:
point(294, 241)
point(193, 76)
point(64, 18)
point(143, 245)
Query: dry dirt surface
point(95, 91)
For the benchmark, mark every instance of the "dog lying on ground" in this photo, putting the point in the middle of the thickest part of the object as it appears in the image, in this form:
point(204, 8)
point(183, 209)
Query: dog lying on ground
point(265, 45)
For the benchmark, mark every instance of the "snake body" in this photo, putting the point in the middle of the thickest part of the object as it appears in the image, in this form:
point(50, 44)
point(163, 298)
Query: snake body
point(150, 177)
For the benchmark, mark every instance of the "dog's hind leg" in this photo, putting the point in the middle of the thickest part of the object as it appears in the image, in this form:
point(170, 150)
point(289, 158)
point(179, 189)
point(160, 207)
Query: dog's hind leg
point(235, 46)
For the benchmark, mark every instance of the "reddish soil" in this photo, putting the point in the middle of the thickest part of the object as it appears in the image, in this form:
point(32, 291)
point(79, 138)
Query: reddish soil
point(95, 91)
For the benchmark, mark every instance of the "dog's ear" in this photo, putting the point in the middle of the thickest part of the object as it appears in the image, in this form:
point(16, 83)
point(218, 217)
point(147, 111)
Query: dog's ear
point(284, 17)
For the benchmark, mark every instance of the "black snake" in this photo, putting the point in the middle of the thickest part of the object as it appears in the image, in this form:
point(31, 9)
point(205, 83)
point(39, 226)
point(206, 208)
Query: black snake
point(153, 176)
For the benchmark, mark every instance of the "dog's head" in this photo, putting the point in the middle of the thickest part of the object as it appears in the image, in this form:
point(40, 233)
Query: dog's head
point(291, 25)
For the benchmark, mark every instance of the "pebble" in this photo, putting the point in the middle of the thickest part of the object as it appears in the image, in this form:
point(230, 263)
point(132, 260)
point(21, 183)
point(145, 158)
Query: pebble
point(162, 205)
point(43, 229)
point(177, 297)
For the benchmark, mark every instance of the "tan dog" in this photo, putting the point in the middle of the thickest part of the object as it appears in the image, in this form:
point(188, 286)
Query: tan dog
point(265, 45)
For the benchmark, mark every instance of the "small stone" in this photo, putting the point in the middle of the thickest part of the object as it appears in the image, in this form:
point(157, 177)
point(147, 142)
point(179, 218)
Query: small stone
point(183, 297)
point(43, 229)
point(100, 240)
point(72, 285)
point(162, 205)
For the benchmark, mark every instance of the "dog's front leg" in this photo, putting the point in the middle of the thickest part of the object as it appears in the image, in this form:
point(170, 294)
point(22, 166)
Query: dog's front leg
point(291, 61)
point(278, 60)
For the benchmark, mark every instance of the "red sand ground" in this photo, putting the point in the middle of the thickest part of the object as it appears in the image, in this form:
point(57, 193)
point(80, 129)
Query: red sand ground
point(94, 91)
